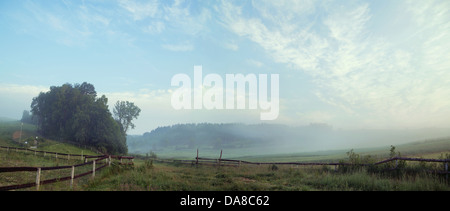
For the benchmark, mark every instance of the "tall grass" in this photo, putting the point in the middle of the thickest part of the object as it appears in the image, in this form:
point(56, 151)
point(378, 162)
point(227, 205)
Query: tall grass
point(22, 158)
point(170, 177)
point(147, 175)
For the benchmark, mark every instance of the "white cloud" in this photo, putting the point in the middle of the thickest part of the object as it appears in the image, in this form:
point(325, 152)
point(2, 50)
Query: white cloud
point(315, 116)
point(155, 27)
point(15, 98)
point(179, 47)
point(255, 63)
point(352, 69)
point(231, 45)
point(157, 110)
point(140, 10)
point(65, 22)
point(17, 89)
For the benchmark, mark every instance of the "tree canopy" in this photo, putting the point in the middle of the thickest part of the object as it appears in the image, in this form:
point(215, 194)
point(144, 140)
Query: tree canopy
point(125, 112)
point(75, 113)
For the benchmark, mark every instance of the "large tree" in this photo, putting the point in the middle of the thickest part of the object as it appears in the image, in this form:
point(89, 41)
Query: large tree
point(75, 113)
point(124, 113)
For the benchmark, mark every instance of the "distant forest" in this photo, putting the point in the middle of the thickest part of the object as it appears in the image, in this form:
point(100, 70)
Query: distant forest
point(217, 136)
point(270, 138)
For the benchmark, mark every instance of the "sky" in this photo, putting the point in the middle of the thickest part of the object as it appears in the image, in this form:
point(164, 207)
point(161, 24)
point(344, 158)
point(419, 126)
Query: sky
point(350, 64)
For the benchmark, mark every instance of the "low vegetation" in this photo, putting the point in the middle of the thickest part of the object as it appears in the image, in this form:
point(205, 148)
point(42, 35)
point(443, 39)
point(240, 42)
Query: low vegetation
point(147, 174)
point(150, 175)
point(180, 177)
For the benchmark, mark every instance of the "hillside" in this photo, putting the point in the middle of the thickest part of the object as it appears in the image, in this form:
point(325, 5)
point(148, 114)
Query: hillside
point(10, 136)
point(264, 139)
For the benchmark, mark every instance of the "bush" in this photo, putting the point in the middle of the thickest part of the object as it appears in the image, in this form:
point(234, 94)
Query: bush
point(273, 167)
point(355, 160)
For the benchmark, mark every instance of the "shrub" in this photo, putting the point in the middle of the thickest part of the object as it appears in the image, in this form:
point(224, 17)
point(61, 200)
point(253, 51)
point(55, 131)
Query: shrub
point(273, 167)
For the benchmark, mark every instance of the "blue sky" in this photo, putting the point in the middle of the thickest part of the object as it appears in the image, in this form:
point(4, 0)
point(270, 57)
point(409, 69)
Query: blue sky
point(350, 64)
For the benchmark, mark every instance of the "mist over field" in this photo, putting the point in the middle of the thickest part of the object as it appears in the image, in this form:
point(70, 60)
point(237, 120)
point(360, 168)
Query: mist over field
point(261, 139)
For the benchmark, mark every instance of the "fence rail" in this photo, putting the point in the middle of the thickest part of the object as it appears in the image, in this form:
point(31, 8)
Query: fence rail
point(221, 161)
point(197, 159)
point(38, 170)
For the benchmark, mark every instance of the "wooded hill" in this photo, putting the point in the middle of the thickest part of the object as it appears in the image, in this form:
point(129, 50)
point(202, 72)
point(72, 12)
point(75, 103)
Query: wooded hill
point(75, 113)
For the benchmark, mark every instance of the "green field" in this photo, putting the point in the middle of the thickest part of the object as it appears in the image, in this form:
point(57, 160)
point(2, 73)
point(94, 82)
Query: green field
point(147, 176)
point(10, 137)
point(413, 176)
point(150, 175)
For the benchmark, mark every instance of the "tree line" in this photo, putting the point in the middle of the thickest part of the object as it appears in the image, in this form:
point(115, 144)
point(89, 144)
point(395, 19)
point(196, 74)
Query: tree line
point(75, 113)
point(218, 136)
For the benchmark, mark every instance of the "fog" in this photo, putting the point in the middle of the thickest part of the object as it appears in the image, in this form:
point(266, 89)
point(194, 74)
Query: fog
point(261, 139)
point(317, 137)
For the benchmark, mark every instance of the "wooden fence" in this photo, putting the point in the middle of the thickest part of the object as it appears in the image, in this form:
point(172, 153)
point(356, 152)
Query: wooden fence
point(219, 161)
point(95, 167)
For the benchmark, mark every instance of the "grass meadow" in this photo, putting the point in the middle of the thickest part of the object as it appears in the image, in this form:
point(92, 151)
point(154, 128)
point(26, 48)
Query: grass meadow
point(151, 175)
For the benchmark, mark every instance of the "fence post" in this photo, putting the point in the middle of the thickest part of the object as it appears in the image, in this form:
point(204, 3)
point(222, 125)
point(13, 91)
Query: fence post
point(197, 157)
point(220, 158)
point(93, 169)
point(72, 176)
point(446, 170)
point(38, 178)
point(109, 161)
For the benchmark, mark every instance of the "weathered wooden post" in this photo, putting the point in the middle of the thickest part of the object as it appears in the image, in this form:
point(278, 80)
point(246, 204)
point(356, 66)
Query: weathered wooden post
point(93, 169)
point(220, 157)
point(446, 170)
point(72, 175)
point(38, 178)
point(197, 157)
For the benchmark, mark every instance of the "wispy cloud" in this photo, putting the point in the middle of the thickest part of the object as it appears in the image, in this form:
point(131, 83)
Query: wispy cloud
point(179, 47)
point(140, 10)
point(67, 23)
point(352, 69)
point(17, 97)
point(255, 63)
